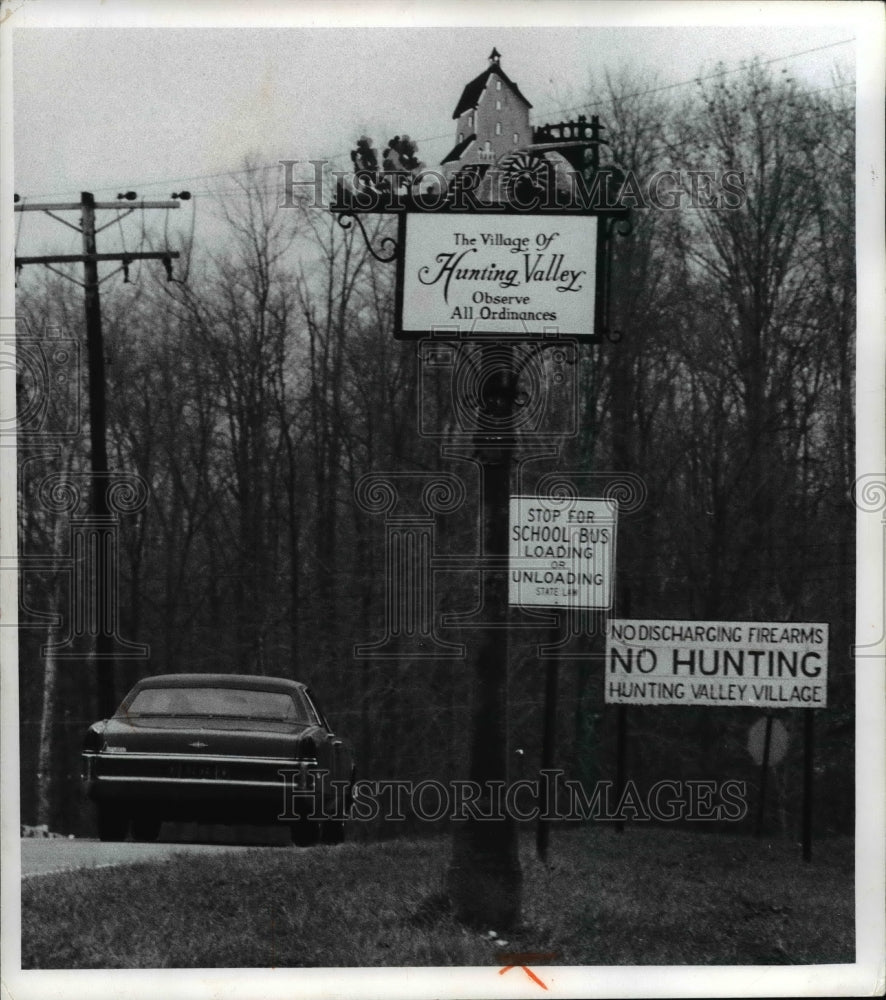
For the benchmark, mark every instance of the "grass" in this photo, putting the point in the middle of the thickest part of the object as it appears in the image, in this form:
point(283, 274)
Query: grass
point(647, 896)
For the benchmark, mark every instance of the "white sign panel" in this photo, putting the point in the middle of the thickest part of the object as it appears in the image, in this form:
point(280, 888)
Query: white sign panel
point(562, 552)
point(750, 664)
point(498, 273)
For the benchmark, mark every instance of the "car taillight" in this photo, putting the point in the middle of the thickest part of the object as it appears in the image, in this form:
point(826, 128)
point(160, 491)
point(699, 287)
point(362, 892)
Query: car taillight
point(94, 740)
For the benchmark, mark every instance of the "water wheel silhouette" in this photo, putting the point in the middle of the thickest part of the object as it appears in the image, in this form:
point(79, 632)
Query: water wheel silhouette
point(527, 176)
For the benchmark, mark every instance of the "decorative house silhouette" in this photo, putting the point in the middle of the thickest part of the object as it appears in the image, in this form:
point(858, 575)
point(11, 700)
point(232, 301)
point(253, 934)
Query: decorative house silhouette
point(493, 119)
point(498, 156)
point(495, 140)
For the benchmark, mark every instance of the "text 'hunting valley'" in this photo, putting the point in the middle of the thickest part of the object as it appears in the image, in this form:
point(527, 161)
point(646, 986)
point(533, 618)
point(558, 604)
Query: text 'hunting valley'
point(536, 267)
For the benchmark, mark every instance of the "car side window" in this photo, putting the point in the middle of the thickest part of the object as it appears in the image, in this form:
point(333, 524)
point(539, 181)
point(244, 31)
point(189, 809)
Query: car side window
point(315, 709)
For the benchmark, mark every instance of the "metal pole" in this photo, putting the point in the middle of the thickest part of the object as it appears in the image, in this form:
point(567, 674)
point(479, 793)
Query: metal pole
point(621, 730)
point(764, 772)
point(548, 744)
point(484, 878)
point(104, 654)
point(808, 755)
point(621, 727)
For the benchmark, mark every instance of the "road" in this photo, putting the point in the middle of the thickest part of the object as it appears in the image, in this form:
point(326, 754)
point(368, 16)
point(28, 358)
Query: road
point(45, 856)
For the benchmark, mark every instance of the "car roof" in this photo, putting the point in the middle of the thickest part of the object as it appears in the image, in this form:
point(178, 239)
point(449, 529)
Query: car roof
point(253, 682)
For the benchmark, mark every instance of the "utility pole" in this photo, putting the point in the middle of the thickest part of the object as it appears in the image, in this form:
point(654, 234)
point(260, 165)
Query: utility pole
point(100, 573)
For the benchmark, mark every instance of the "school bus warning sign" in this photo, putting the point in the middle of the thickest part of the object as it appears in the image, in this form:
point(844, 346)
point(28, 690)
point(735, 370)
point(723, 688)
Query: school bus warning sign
point(562, 551)
point(730, 664)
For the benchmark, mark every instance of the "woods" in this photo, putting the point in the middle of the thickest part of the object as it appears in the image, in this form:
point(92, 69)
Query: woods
point(253, 400)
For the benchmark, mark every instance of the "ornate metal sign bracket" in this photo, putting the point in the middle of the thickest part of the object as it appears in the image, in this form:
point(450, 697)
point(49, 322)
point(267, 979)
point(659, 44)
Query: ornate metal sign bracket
point(347, 219)
point(556, 176)
point(612, 225)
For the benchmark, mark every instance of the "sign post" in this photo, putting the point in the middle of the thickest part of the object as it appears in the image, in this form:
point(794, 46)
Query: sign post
point(532, 267)
point(562, 555)
point(548, 742)
point(764, 772)
point(484, 878)
point(767, 744)
point(808, 757)
point(728, 664)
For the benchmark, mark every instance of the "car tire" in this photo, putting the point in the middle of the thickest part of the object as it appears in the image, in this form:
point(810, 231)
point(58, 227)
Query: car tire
point(112, 823)
point(304, 832)
point(145, 828)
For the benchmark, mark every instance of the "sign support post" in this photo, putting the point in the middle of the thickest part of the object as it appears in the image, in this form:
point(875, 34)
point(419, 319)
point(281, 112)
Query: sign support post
point(621, 742)
point(808, 754)
point(621, 731)
point(562, 557)
point(764, 773)
point(484, 878)
point(528, 264)
point(548, 741)
point(769, 665)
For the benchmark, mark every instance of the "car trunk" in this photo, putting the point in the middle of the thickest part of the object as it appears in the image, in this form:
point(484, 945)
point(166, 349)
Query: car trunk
point(202, 735)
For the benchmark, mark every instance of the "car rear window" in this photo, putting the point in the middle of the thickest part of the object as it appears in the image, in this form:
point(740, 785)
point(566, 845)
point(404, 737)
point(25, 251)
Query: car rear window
point(238, 703)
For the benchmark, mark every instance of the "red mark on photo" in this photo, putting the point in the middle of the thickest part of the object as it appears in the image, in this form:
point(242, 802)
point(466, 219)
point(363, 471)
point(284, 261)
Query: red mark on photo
point(519, 957)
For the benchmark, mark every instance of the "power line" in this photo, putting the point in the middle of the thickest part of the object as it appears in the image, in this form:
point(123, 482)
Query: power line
point(448, 135)
point(657, 130)
point(710, 76)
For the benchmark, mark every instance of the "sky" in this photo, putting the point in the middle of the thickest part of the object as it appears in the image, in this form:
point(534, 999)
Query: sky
point(127, 96)
point(109, 108)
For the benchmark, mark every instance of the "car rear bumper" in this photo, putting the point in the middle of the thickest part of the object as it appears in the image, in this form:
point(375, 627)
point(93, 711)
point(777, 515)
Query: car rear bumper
point(179, 781)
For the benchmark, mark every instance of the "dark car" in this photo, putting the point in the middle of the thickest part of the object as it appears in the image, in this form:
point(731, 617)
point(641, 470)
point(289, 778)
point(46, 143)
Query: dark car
point(218, 748)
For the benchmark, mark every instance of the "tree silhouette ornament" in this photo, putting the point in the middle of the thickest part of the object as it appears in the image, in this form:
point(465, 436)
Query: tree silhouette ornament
point(365, 160)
